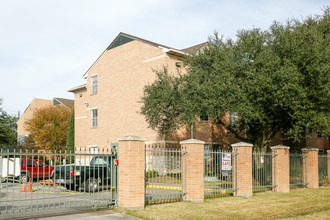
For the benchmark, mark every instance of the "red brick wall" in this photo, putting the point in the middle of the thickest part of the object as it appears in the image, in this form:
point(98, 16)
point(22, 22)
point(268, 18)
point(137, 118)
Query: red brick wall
point(242, 169)
point(193, 169)
point(311, 167)
point(281, 168)
point(131, 171)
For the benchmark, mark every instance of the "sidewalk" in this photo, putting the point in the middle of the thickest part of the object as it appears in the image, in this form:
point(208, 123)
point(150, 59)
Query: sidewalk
point(99, 215)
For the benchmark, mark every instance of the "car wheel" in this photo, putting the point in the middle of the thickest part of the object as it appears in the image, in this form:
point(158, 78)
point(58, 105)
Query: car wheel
point(23, 178)
point(69, 187)
point(92, 185)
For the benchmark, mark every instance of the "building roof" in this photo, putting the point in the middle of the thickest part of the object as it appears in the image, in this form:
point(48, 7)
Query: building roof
point(67, 102)
point(195, 48)
point(77, 88)
point(123, 38)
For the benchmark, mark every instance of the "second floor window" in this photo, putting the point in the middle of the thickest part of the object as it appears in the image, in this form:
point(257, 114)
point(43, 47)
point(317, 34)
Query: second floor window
point(94, 84)
point(233, 119)
point(94, 114)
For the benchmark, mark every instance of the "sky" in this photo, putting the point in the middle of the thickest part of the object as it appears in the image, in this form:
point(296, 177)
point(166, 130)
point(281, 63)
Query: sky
point(46, 46)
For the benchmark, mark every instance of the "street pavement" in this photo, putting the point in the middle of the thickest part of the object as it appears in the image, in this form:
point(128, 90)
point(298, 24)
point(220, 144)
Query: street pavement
point(99, 215)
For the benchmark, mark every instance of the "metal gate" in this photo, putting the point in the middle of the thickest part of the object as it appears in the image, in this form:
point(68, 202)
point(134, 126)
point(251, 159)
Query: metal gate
point(41, 184)
point(163, 172)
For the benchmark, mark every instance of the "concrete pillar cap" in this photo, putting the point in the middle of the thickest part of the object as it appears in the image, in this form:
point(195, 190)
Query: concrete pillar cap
point(192, 141)
point(310, 149)
point(242, 144)
point(279, 147)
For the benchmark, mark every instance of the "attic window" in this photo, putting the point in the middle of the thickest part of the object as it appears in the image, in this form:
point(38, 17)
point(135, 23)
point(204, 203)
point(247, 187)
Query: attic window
point(120, 41)
point(56, 102)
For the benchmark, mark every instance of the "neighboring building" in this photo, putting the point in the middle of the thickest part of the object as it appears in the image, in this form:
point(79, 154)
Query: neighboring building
point(35, 104)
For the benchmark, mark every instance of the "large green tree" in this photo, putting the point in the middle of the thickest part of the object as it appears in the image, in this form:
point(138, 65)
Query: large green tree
point(275, 81)
point(8, 135)
point(162, 103)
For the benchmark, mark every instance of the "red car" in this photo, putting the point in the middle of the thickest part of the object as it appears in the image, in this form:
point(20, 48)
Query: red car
point(34, 169)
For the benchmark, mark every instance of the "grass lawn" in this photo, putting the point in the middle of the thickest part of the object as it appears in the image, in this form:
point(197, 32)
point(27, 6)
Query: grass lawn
point(298, 204)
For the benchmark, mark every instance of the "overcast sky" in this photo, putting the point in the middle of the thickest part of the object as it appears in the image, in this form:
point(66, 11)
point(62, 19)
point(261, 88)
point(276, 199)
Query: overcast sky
point(47, 45)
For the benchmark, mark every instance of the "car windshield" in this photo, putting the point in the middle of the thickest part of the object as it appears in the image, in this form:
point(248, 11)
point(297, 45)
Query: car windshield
point(99, 161)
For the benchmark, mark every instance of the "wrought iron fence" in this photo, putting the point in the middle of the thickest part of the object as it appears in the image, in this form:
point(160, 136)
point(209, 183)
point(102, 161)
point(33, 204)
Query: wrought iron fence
point(36, 184)
point(296, 170)
point(262, 171)
point(323, 170)
point(218, 179)
point(163, 172)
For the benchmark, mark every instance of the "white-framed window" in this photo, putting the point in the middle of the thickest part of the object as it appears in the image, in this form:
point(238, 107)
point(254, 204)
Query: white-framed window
point(93, 84)
point(93, 149)
point(94, 117)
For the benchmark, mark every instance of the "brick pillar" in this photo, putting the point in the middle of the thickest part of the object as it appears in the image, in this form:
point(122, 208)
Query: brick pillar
point(311, 167)
point(131, 169)
point(328, 159)
point(242, 169)
point(193, 169)
point(281, 168)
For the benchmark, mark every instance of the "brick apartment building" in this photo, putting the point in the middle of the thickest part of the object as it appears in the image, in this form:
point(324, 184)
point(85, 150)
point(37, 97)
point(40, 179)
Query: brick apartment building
point(107, 106)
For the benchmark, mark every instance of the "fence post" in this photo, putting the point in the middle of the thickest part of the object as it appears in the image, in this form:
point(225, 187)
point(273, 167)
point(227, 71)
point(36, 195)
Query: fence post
point(328, 161)
point(242, 169)
point(281, 168)
point(131, 171)
point(311, 167)
point(193, 170)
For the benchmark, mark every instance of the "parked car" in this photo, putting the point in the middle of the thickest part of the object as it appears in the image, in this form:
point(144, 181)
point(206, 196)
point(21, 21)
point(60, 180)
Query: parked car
point(66, 175)
point(91, 178)
point(34, 169)
point(23, 169)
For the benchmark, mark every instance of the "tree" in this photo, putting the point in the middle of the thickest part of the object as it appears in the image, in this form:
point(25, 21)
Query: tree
point(161, 103)
point(48, 128)
point(275, 80)
point(8, 126)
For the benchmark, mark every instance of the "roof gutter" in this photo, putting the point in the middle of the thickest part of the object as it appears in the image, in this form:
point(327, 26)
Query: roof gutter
point(77, 88)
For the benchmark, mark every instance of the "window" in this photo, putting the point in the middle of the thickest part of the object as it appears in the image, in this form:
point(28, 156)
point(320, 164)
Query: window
point(204, 117)
point(94, 114)
point(94, 84)
point(94, 149)
point(233, 118)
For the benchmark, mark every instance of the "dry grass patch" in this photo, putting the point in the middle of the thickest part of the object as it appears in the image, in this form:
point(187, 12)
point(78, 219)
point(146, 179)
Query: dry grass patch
point(298, 204)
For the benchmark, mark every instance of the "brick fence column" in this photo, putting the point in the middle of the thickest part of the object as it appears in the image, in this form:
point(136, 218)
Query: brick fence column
point(193, 170)
point(281, 168)
point(131, 169)
point(242, 169)
point(328, 159)
point(311, 167)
